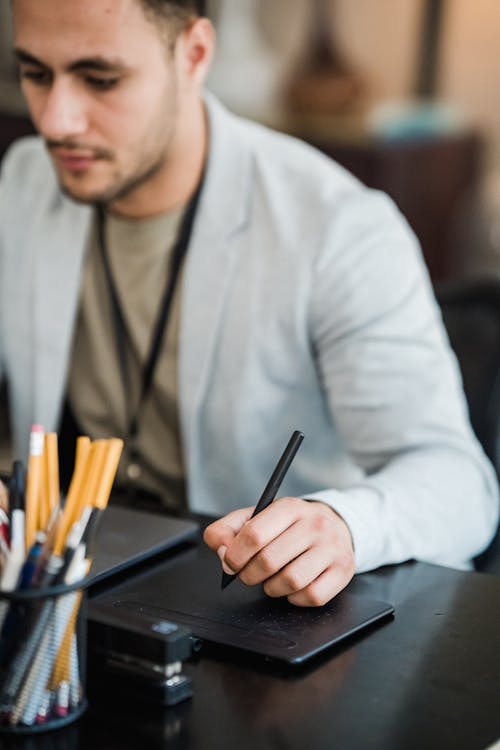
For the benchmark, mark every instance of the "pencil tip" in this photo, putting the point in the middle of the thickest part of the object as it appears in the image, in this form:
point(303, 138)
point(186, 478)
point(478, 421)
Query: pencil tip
point(226, 580)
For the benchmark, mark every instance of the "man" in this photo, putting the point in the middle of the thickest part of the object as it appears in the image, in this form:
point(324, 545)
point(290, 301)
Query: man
point(302, 302)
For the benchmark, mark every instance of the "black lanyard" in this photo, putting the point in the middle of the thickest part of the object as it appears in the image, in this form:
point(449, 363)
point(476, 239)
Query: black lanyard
point(122, 335)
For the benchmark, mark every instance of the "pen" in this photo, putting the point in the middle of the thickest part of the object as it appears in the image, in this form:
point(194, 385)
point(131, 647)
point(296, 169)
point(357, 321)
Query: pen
point(272, 487)
point(32, 560)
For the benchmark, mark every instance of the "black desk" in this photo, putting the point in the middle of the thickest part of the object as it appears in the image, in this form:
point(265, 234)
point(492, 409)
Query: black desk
point(430, 678)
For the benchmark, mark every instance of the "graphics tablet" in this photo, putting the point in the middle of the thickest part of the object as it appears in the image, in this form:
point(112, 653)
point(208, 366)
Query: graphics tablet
point(186, 589)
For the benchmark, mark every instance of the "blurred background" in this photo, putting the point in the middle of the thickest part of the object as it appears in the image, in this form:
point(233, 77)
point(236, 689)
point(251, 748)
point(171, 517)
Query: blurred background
point(401, 92)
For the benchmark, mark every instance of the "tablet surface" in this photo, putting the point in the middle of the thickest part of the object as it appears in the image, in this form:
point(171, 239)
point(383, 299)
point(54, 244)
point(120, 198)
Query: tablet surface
point(186, 589)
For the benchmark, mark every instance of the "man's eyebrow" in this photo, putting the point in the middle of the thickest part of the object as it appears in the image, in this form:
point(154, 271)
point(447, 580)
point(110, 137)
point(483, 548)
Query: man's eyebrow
point(25, 57)
point(86, 63)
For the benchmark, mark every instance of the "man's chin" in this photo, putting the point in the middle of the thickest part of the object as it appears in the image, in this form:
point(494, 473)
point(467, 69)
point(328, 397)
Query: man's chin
point(80, 197)
point(105, 188)
point(86, 196)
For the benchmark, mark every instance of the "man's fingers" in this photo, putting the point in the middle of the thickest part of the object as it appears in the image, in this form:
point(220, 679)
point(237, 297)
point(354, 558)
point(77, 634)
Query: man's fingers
point(238, 537)
point(323, 588)
point(261, 530)
point(296, 549)
point(223, 531)
point(280, 551)
point(221, 552)
point(298, 573)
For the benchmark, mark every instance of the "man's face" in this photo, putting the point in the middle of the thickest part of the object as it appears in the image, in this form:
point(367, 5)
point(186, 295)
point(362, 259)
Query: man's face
point(102, 89)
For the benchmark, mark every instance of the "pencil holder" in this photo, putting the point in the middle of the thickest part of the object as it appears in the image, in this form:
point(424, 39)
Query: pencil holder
point(42, 658)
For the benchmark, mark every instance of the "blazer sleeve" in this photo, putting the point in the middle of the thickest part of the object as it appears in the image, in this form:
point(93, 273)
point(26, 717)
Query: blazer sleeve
point(394, 390)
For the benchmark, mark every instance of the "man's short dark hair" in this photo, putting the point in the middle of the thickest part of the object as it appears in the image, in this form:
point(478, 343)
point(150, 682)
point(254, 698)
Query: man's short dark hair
point(173, 15)
point(185, 8)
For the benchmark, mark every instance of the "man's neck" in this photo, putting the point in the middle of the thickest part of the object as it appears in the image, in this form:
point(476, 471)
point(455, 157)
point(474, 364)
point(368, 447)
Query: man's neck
point(175, 183)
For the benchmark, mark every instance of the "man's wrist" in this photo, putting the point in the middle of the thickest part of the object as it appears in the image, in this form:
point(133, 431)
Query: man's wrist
point(318, 500)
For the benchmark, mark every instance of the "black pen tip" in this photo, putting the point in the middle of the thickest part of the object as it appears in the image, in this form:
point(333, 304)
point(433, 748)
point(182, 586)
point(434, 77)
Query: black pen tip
point(226, 580)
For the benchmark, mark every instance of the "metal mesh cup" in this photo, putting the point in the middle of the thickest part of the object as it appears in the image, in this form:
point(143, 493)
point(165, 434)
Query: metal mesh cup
point(42, 658)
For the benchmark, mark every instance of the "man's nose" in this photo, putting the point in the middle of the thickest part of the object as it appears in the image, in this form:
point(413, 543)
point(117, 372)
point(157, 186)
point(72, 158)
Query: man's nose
point(64, 113)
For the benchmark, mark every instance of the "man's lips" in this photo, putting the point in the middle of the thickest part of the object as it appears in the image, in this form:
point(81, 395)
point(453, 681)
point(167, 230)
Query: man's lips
point(74, 161)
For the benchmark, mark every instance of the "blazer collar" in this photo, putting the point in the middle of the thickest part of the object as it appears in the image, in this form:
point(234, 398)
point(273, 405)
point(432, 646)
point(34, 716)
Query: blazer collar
point(225, 198)
point(211, 261)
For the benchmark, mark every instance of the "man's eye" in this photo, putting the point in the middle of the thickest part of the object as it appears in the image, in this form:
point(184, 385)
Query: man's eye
point(36, 76)
point(102, 84)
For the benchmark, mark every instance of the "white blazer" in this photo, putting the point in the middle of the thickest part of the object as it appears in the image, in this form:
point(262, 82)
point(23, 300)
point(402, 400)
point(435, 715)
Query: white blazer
point(305, 305)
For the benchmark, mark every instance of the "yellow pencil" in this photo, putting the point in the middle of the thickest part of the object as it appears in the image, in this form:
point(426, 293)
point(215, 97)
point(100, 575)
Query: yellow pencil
point(75, 502)
point(49, 484)
point(93, 475)
point(52, 476)
point(83, 448)
point(33, 489)
point(108, 473)
point(43, 494)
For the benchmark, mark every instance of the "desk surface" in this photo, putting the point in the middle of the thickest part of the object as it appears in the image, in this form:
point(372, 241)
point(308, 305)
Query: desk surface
point(430, 678)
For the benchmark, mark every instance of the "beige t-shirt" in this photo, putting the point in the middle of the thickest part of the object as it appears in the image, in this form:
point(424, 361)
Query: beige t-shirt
point(139, 256)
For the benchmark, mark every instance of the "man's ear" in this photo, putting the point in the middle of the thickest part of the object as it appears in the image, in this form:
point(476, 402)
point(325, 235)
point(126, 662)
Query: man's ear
point(195, 48)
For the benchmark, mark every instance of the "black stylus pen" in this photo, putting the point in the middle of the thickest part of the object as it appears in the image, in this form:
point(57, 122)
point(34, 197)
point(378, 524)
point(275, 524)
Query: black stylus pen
point(272, 487)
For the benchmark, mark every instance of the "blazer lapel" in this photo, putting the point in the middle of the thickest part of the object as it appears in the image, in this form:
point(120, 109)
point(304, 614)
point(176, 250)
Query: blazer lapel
point(62, 241)
point(222, 216)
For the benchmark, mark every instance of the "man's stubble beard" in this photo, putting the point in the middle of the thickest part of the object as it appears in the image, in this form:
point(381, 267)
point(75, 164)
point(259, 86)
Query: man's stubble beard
point(122, 190)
